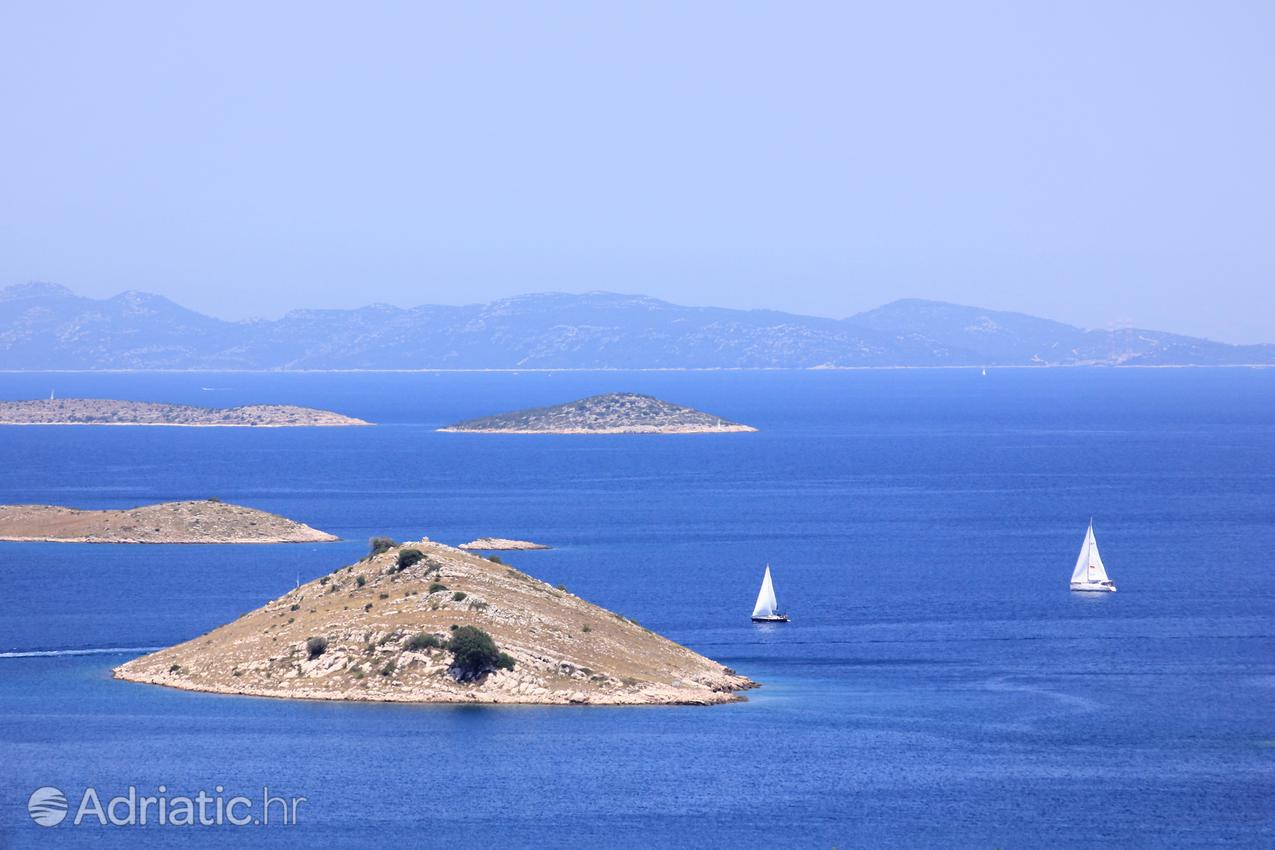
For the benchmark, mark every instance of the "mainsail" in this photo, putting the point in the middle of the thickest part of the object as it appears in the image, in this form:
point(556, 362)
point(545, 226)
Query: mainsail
point(766, 603)
point(1089, 568)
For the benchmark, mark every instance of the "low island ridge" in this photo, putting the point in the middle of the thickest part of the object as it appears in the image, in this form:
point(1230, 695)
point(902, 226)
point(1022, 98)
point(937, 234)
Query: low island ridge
point(204, 521)
point(423, 622)
point(105, 411)
point(611, 413)
point(500, 544)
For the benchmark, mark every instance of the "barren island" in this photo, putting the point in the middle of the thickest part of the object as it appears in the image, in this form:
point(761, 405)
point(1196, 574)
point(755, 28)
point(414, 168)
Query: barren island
point(103, 411)
point(423, 622)
point(209, 521)
point(613, 413)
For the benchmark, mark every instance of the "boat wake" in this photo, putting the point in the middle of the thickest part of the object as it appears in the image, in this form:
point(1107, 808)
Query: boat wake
point(55, 653)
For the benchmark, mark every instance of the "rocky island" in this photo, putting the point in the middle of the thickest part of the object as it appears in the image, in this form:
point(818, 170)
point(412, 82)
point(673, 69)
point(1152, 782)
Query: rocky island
point(102, 411)
point(423, 622)
point(613, 413)
point(209, 521)
point(500, 544)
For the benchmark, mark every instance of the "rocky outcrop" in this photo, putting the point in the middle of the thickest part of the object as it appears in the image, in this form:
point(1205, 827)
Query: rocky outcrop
point(382, 628)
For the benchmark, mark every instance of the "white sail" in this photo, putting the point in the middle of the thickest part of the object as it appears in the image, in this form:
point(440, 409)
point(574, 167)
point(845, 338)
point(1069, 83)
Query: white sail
point(766, 603)
point(1097, 572)
point(1089, 568)
point(1081, 572)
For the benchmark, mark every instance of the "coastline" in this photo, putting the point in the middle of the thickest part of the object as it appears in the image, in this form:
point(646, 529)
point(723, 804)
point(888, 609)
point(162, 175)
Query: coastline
point(671, 698)
point(254, 541)
point(734, 429)
point(609, 369)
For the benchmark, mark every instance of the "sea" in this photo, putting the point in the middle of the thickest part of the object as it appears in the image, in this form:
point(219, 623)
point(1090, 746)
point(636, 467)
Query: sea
point(938, 684)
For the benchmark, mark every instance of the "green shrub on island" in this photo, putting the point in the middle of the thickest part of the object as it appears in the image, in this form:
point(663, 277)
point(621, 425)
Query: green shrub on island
point(409, 557)
point(436, 586)
point(377, 545)
point(495, 559)
point(421, 640)
point(316, 646)
point(475, 653)
point(459, 596)
point(360, 581)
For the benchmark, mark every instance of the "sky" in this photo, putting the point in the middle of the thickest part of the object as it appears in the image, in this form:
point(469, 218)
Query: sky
point(1099, 163)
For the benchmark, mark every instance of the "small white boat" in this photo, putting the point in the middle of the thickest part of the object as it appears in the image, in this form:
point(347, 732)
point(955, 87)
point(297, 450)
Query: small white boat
point(764, 611)
point(1090, 575)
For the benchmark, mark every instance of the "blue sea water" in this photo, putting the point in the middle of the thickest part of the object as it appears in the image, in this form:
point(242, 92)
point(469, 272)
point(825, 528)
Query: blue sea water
point(939, 686)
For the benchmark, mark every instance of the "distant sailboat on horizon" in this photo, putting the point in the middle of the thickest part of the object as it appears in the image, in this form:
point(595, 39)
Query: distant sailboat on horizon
point(1090, 574)
point(765, 609)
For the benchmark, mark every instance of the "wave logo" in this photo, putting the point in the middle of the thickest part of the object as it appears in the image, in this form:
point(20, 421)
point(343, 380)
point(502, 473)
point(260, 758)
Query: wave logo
point(47, 806)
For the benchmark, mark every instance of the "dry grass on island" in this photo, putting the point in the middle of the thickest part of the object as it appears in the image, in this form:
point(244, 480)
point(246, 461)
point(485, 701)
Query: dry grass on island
point(205, 521)
point(102, 411)
point(423, 622)
point(613, 413)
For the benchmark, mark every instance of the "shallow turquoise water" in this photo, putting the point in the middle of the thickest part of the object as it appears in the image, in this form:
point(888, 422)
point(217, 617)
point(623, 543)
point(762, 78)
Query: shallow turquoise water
point(938, 686)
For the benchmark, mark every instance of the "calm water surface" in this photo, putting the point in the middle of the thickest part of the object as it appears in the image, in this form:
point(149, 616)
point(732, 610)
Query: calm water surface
point(938, 686)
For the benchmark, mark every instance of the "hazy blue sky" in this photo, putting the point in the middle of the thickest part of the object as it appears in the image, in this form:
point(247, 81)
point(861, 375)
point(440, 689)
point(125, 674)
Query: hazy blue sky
point(1092, 162)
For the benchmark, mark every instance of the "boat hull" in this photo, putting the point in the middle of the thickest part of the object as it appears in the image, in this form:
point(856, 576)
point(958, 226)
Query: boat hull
point(773, 618)
point(1081, 587)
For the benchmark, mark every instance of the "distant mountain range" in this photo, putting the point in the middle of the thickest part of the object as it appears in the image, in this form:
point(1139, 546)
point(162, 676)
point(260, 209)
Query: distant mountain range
point(45, 326)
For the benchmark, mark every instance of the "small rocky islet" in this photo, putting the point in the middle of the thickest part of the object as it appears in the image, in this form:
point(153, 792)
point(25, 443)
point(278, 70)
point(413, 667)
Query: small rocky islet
point(424, 622)
point(500, 544)
point(611, 413)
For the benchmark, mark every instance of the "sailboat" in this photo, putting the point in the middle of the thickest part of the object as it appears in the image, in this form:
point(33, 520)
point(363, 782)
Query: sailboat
point(1090, 574)
point(764, 611)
